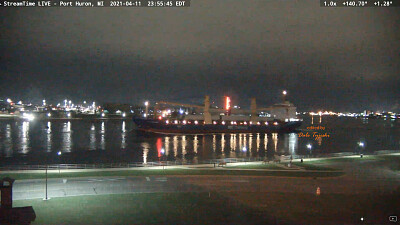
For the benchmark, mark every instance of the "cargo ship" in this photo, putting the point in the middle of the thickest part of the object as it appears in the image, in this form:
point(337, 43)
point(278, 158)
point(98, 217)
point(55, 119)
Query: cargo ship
point(279, 118)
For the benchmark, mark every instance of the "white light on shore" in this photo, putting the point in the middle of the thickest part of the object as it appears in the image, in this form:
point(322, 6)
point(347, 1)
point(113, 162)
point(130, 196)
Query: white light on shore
point(28, 116)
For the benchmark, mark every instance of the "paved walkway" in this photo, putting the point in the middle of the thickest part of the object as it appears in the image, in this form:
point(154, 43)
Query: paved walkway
point(364, 177)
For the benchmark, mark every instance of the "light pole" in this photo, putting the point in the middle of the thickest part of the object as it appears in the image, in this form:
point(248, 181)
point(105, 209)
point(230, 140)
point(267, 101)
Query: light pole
point(309, 146)
point(284, 92)
point(162, 155)
point(361, 145)
point(47, 165)
point(244, 151)
point(59, 154)
point(146, 112)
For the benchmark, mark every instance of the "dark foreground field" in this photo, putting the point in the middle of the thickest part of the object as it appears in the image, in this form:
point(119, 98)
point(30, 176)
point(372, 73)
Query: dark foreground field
point(217, 208)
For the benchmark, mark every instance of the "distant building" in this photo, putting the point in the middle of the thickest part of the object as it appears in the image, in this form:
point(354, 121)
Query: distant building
point(282, 111)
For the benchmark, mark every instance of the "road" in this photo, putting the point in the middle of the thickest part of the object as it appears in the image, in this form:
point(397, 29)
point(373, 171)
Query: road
point(57, 187)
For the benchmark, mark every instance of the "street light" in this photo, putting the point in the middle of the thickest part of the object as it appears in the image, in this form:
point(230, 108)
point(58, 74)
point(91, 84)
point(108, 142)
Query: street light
point(146, 103)
point(163, 155)
point(59, 154)
point(309, 146)
point(47, 165)
point(284, 92)
point(361, 145)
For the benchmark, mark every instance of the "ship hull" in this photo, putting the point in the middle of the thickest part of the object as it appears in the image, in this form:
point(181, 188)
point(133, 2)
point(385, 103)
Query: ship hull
point(157, 126)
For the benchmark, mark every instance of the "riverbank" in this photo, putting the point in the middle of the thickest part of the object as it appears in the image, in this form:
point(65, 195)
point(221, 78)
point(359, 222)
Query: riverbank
point(202, 194)
point(197, 170)
point(311, 167)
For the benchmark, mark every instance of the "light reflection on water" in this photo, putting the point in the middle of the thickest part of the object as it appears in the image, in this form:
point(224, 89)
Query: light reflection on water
point(24, 138)
point(8, 146)
point(103, 136)
point(92, 134)
point(114, 141)
point(48, 137)
point(123, 135)
point(67, 140)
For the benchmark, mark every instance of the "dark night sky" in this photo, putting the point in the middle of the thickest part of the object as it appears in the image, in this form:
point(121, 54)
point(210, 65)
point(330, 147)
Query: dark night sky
point(327, 58)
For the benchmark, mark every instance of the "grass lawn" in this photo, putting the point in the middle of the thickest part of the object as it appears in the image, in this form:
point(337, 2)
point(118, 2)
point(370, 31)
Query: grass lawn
point(391, 161)
point(344, 159)
point(270, 166)
point(154, 208)
point(302, 208)
point(312, 166)
point(216, 208)
point(155, 172)
point(273, 166)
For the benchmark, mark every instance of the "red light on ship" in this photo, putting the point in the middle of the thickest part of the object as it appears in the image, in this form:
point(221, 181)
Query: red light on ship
point(159, 147)
point(227, 103)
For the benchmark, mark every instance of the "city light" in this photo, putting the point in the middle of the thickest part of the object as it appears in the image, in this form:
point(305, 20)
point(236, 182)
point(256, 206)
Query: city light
point(59, 153)
point(284, 92)
point(49, 114)
point(146, 113)
point(227, 103)
point(28, 116)
point(9, 100)
point(309, 146)
point(361, 144)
